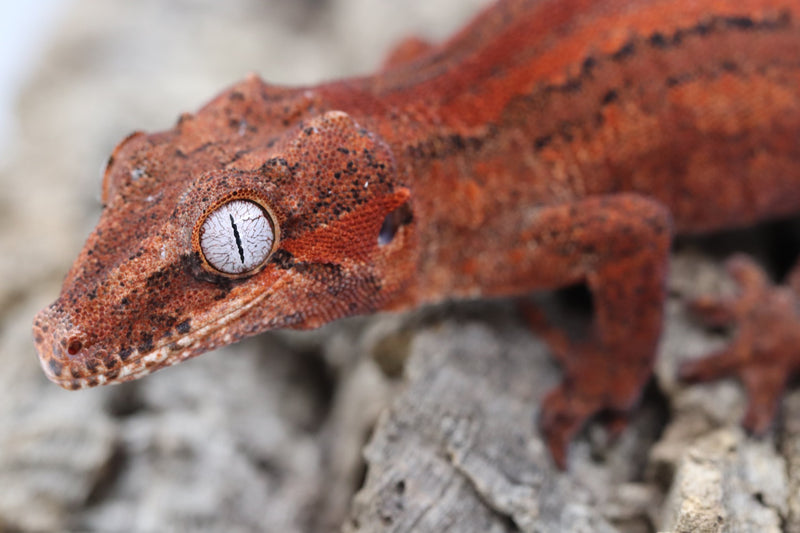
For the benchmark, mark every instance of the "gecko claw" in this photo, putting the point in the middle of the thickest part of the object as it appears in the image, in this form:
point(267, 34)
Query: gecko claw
point(559, 422)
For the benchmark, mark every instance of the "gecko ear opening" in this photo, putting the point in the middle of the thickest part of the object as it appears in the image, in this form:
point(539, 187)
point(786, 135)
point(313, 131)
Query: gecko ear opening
point(397, 218)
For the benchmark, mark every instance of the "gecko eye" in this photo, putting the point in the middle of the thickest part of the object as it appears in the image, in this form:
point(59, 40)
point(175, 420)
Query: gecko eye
point(237, 237)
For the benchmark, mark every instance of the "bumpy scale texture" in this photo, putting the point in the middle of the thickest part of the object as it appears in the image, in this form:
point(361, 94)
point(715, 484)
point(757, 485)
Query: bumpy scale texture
point(547, 143)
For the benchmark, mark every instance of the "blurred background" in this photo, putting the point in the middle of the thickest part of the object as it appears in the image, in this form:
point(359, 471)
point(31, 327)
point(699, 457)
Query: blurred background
point(262, 436)
point(24, 29)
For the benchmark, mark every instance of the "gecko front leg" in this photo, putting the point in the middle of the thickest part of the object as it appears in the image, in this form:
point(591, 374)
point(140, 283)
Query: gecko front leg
point(618, 245)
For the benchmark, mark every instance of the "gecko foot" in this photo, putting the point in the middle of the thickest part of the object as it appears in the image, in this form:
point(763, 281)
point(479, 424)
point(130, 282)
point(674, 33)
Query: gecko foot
point(765, 350)
point(590, 386)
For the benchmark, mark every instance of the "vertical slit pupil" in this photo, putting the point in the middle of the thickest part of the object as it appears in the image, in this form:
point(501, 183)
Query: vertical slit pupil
point(238, 239)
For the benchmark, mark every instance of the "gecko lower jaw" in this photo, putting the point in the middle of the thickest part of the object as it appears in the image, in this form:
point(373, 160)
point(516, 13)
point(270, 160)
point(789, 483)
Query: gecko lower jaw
point(84, 371)
point(79, 366)
point(70, 363)
point(69, 359)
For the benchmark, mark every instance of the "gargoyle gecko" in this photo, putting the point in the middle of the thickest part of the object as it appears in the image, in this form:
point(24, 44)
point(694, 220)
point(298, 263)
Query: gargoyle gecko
point(548, 143)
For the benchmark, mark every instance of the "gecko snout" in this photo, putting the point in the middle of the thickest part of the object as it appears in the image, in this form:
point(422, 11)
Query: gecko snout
point(64, 351)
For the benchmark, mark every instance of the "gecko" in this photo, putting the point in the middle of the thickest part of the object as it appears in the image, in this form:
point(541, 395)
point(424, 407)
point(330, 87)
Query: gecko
point(548, 143)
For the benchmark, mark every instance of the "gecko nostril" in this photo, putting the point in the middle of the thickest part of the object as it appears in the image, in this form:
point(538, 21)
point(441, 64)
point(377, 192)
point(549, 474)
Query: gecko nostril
point(74, 346)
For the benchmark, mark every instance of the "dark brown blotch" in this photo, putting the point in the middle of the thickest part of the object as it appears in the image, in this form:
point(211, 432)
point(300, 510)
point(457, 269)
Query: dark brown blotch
point(110, 361)
point(55, 367)
point(146, 344)
point(125, 352)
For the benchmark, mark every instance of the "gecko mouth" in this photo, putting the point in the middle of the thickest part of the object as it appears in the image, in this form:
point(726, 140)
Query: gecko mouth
point(70, 361)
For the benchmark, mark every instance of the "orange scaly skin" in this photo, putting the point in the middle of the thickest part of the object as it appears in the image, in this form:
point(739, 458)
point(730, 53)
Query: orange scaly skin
point(549, 142)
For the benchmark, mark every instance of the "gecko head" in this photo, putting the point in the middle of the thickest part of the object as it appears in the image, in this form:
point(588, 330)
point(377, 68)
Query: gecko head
point(199, 246)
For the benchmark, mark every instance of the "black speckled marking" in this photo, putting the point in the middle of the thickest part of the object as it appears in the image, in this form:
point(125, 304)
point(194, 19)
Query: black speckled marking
point(184, 327)
point(55, 367)
point(146, 345)
point(126, 352)
point(110, 361)
point(282, 259)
